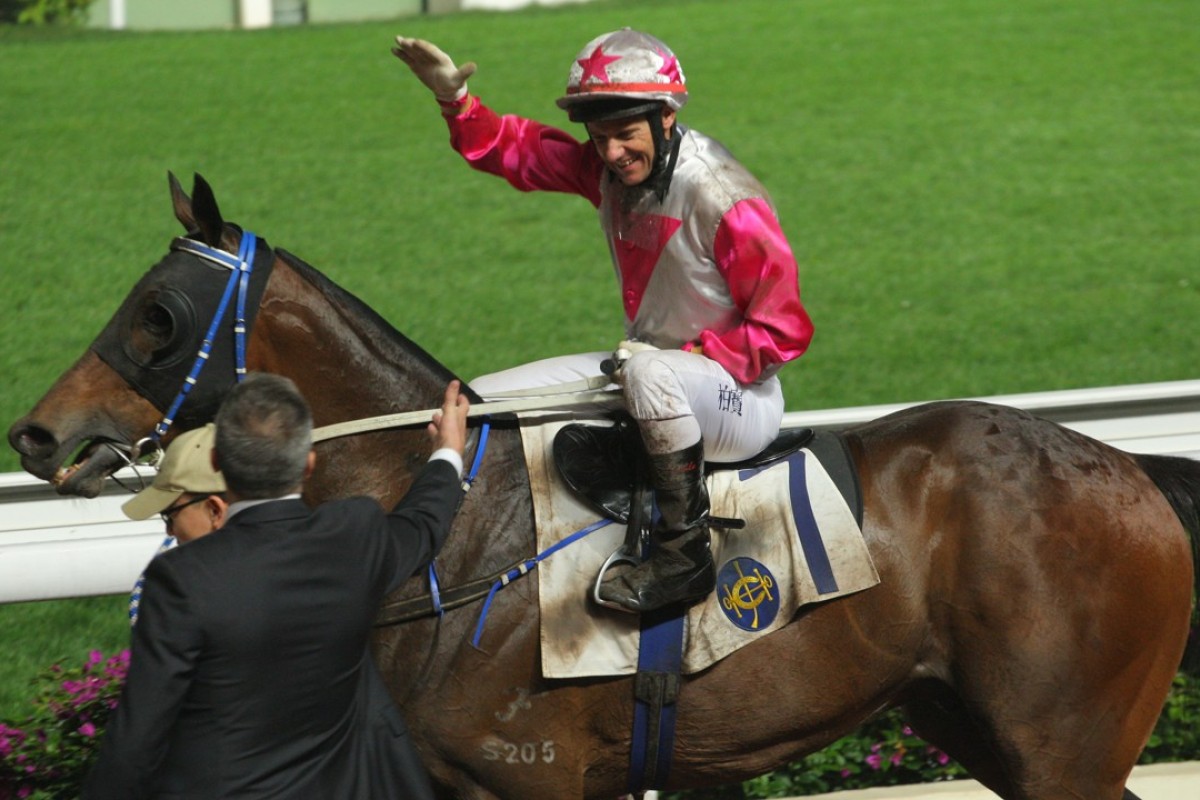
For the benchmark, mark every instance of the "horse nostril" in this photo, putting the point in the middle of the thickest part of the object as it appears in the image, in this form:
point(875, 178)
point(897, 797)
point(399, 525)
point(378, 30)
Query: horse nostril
point(31, 440)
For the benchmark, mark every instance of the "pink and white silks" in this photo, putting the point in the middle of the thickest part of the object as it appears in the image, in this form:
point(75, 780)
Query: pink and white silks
point(706, 267)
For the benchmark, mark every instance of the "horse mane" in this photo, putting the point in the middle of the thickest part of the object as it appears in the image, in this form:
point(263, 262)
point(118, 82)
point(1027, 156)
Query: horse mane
point(1179, 481)
point(368, 322)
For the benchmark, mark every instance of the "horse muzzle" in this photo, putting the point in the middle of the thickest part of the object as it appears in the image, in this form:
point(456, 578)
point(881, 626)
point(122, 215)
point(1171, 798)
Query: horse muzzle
point(44, 456)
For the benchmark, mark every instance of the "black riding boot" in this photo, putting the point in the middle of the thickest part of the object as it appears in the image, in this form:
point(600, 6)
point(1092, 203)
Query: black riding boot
point(680, 568)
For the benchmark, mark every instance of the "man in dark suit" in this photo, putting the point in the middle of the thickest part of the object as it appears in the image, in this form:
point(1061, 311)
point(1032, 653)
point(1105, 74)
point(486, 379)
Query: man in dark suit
point(250, 674)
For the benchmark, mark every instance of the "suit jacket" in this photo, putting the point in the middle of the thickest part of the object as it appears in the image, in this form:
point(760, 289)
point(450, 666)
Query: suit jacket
point(394, 769)
point(250, 675)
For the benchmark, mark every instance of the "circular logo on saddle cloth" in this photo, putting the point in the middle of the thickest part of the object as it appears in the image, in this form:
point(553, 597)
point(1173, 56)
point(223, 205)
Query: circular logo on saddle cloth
point(746, 592)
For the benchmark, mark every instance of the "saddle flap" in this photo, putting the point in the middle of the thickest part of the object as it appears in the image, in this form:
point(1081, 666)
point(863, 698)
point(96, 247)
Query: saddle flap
point(599, 464)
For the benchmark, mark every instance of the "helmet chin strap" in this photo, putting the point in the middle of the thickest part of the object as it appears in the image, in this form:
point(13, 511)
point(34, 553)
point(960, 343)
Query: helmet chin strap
point(666, 153)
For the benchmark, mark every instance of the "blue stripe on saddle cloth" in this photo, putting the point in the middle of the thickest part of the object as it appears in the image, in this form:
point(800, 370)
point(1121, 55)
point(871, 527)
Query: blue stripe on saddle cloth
point(815, 554)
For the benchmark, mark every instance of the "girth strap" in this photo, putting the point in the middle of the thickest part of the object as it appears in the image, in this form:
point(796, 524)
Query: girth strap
point(656, 693)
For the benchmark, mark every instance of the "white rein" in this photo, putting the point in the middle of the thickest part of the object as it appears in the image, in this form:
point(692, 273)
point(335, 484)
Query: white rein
point(566, 395)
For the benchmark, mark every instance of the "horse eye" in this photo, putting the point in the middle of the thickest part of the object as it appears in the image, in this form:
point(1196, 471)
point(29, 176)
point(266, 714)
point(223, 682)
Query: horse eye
point(161, 328)
point(156, 326)
point(158, 323)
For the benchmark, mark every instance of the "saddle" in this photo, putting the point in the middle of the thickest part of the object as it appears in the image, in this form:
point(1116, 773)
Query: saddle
point(605, 466)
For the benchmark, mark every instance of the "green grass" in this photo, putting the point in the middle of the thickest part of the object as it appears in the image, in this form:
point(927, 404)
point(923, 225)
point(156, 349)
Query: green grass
point(37, 635)
point(987, 197)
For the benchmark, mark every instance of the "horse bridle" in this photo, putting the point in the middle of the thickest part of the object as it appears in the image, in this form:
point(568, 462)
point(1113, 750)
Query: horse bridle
point(240, 267)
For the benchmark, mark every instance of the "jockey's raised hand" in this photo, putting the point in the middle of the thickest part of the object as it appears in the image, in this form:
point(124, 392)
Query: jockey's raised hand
point(434, 68)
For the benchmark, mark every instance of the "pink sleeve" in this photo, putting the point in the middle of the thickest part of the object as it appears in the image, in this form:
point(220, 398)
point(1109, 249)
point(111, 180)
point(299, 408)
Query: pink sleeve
point(759, 267)
point(529, 155)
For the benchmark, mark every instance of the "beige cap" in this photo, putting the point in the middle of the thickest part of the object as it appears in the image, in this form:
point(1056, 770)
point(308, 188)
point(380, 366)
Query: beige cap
point(186, 467)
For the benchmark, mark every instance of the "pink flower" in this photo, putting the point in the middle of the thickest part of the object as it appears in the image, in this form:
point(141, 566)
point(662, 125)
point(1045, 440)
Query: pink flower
point(87, 729)
point(875, 761)
point(10, 738)
point(897, 757)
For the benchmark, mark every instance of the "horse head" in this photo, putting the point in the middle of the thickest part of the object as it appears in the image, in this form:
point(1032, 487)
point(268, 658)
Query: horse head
point(173, 348)
point(83, 429)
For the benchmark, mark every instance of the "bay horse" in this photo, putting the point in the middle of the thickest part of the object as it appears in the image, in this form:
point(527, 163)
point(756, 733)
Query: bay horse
point(1035, 596)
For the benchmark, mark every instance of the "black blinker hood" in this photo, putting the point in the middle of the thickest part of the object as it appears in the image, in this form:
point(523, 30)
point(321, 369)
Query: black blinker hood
point(188, 290)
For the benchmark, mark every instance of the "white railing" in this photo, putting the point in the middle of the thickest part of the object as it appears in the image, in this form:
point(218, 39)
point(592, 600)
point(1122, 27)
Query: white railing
point(53, 547)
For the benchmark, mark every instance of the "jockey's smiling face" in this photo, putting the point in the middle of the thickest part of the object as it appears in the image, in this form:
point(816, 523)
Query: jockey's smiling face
point(627, 146)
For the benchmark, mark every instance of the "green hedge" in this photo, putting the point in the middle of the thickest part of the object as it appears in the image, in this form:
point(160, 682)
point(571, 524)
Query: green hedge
point(43, 12)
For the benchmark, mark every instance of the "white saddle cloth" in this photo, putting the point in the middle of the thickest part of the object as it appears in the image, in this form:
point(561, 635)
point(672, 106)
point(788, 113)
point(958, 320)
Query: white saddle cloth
point(766, 570)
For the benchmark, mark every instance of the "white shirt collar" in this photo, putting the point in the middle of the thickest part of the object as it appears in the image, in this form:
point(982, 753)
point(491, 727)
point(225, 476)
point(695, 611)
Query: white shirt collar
point(242, 505)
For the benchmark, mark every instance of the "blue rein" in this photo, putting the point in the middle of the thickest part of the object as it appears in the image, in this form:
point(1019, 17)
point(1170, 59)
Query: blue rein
point(435, 590)
point(513, 573)
point(240, 267)
point(525, 567)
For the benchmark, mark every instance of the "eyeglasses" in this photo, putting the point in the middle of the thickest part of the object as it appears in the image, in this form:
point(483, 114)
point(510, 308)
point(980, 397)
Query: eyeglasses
point(168, 514)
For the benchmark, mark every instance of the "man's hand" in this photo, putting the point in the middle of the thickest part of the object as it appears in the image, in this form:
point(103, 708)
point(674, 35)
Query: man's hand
point(449, 426)
point(434, 68)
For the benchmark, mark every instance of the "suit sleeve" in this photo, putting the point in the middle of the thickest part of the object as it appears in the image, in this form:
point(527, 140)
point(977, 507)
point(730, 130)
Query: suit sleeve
point(163, 652)
point(418, 525)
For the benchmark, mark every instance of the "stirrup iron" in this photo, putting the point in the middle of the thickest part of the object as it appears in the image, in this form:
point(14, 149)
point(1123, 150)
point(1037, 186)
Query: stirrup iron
point(622, 555)
point(637, 534)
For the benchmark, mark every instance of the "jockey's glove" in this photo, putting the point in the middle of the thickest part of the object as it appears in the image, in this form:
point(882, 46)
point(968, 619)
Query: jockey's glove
point(625, 350)
point(434, 68)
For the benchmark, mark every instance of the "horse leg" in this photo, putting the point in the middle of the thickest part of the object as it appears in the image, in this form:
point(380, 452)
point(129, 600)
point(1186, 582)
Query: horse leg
point(1087, 682)
point(941, 722)
point(1080, 687)
point(939, 718)
point(1043, 539)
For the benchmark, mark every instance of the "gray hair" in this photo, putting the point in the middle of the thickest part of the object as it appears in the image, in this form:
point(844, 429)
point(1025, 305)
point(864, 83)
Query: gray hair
point(264, 435)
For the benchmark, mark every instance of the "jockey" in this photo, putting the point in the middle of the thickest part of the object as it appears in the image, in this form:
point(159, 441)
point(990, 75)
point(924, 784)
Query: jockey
point(707, 278)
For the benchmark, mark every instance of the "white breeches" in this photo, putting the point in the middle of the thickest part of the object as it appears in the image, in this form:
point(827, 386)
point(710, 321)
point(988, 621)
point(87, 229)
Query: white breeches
point(677, 398)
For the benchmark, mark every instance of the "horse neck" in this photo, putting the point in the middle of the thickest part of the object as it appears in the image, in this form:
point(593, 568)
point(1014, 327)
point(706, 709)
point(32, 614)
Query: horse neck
point(343, 356)
point(350, 364)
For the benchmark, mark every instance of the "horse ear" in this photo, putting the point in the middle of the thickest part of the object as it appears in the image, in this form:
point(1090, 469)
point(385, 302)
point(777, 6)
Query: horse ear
point(207, 214)
point(182, 203)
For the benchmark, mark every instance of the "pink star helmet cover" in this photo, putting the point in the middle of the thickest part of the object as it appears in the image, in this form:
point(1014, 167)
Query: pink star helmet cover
point(625, 64)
